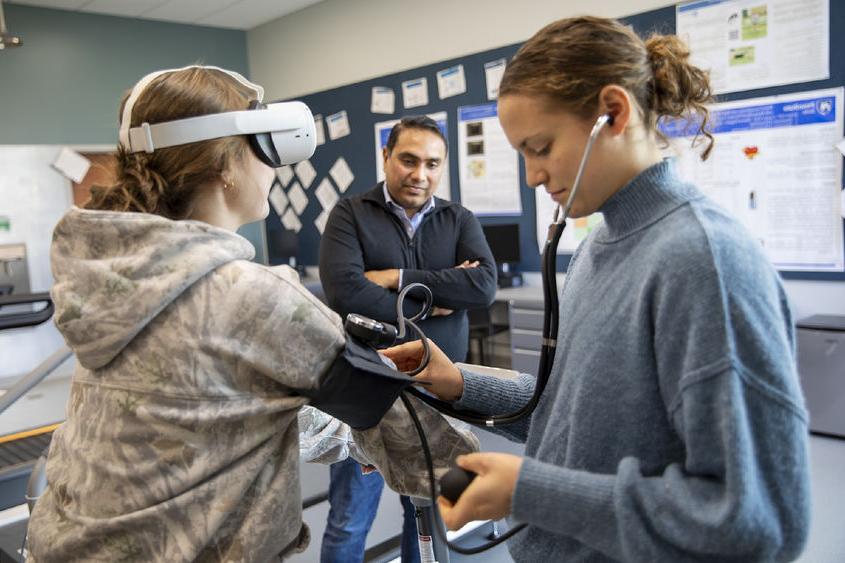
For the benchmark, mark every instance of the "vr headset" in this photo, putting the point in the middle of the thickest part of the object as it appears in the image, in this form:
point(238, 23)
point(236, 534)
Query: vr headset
point(279, 133)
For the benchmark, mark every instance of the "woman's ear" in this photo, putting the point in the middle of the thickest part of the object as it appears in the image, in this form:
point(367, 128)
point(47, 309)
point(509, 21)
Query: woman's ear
point(616, 102)
point(226, 180)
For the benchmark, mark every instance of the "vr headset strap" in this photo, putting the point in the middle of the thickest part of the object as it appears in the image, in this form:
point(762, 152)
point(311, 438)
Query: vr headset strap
point(287, 116)
point(126, 117)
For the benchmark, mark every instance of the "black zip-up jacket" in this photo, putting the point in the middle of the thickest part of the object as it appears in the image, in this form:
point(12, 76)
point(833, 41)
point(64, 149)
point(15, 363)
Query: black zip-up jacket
point(363, 234)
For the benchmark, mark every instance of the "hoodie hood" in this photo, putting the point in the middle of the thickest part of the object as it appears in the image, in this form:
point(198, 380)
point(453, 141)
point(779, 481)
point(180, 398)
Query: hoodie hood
point(114, 272)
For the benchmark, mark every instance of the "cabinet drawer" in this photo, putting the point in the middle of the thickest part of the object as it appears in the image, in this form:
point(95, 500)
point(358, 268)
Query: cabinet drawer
point(535, 304)
point(530, 319)
point(528, 339)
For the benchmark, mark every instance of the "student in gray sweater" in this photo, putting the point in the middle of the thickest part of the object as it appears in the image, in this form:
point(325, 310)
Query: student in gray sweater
point(672, 427)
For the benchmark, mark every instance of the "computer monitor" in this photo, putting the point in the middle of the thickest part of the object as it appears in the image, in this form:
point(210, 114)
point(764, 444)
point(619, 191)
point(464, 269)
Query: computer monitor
point(504, 242)
point(282, 245)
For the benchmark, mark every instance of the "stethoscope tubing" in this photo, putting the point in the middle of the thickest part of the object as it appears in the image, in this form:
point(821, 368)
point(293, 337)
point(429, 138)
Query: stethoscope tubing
point(550, 307)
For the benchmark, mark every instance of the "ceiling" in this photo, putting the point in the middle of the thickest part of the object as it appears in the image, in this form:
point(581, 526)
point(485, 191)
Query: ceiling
point(231, 14)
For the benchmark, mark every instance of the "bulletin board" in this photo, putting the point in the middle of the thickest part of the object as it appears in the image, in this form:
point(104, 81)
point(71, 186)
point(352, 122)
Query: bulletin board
point(358, 148)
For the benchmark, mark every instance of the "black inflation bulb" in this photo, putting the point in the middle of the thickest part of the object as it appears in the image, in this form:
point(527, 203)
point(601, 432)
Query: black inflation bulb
point(454, 481)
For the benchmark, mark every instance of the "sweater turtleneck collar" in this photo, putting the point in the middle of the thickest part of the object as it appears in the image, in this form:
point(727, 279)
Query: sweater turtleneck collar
point(652, 194)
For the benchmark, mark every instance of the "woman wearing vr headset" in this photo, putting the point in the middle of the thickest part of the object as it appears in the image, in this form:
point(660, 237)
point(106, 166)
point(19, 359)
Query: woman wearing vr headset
point(672, 427)
point(182, 441)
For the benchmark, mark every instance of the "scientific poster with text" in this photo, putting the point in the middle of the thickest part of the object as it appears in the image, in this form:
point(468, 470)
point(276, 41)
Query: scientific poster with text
point(576, 229)
point(776, 167)
point(489, 166)
point(750, 44)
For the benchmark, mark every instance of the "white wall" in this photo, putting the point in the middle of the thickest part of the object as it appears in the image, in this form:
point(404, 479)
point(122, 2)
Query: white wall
point(338, 42)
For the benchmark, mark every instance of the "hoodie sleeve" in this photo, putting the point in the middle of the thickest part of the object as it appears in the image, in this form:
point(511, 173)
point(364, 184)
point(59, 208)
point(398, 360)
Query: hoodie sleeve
point(325, 439)
point(394, 446)
point(294, 338)
point(284, 332)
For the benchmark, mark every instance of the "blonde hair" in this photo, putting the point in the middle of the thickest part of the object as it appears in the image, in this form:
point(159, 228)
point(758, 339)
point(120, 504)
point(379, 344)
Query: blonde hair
point(166, 181)
point(571, 60)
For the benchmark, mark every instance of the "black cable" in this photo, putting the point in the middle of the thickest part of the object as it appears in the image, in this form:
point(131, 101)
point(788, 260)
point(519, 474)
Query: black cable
point(401, 320)
point(549, 345)
point(426, 350)
point(433, 492)
point(400, 303)
point(550, 328)
point(551, 310)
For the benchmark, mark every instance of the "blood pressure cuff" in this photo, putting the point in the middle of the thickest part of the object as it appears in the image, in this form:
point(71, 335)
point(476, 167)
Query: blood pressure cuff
point(359, 388)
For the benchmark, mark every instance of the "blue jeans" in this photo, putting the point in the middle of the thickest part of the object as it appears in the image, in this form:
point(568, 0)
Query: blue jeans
point(354, 499)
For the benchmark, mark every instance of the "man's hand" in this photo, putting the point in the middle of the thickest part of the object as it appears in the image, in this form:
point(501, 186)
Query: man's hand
point(489, 495)
point(445, 378)
point(443, 311)
point(388, 279)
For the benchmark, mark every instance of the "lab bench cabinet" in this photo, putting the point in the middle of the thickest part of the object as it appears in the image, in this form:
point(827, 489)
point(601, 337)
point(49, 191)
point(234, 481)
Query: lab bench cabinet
point(821, 368)
point(526, 323)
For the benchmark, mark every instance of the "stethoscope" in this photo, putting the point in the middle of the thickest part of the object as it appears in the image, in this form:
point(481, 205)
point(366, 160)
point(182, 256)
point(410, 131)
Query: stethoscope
point(453, 483)
point(550, 309)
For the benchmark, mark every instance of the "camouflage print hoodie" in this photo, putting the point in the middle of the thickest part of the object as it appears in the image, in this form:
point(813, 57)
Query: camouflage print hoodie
point(181, 438)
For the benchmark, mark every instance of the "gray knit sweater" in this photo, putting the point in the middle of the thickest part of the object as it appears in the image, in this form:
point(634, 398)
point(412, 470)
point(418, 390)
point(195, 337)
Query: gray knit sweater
point(673, 426)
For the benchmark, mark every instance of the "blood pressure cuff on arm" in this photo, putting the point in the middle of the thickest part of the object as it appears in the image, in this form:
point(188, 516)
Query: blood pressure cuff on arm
point(359, 388)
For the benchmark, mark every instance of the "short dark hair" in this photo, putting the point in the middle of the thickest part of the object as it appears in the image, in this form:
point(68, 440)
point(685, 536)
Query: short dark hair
point(414, 122)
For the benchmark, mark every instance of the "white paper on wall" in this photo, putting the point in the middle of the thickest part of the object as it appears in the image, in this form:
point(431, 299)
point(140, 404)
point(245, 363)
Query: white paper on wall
point(278, 200)
point(338, 125)
point(72, 164)
point(415, 93)
point(383, 100)
point(451, 81)
point(285, 175)
point(326, 194)
point(493, 72)
point(320, 130)
point(306, 173)
point(341, 174)
point(291, 221)
point(320, 221)
point(298, 199)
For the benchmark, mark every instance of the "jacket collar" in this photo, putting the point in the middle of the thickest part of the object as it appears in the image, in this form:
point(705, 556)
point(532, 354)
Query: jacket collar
point(376, 195)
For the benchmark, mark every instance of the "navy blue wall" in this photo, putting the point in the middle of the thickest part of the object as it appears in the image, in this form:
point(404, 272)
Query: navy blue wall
point(359, 147)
